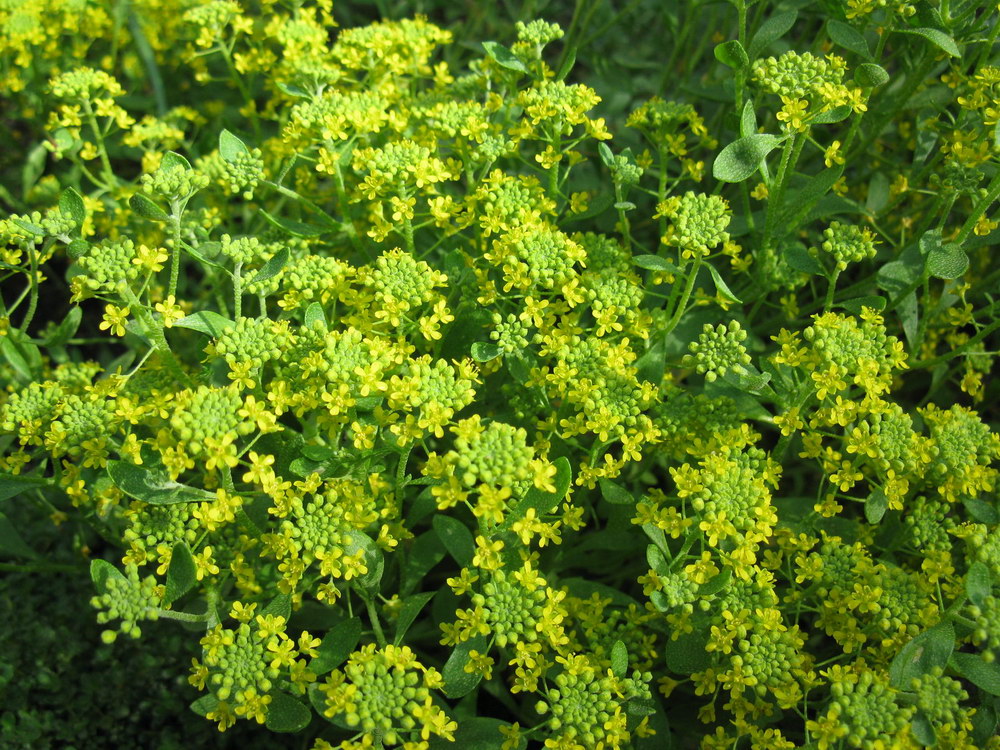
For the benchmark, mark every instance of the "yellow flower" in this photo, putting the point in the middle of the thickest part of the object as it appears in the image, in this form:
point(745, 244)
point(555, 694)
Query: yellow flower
point(115, 319)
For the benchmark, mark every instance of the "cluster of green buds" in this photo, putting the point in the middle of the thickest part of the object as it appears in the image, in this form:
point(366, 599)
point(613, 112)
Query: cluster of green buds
point(718, 350)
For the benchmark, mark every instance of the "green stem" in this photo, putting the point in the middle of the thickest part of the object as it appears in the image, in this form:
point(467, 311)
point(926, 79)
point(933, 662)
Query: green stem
point(958, 350)
point(102, 151)
point(828, 302)
point(33, 298)
point(176, 210)
point(237, 290)
point(154, 330)
point(992, 192)
point(685, 296)
point(169, 614)
point(376, 624)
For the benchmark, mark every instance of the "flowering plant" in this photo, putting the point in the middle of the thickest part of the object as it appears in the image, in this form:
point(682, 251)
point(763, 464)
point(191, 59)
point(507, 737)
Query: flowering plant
point(444, 411)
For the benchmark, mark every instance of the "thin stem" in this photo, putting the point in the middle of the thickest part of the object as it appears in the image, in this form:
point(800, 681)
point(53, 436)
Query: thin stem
point(176, 209)
point(685, 296)
point(238, 290)
point(169, 614)
point(376, 624)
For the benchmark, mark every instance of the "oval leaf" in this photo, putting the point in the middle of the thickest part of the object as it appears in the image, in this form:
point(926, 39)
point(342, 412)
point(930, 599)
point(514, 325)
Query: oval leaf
point(231, 147)
point(456, 538)
point(181, 575)
point(286, 714)
point(484, 351)
point(153, 486)
point(744, 156)
point(337, 645)
point(930, 649)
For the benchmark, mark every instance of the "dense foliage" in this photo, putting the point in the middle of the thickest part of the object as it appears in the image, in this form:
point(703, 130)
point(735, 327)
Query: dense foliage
point(399, 391)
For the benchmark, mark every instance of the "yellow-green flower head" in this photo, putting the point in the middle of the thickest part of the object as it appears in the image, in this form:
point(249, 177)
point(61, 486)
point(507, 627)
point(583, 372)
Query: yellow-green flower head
point(153, 525)
point(698, 222)
point(215, 14)
point(538, 33)
point(85, 84)
point(734, 500)
point(79, 420)
point(435, 388)
point(797, 76)
point(558, 104)
point(174, 182)
point(255, 340)
point(335, 116)
point(514, 612)
point(380, 691)
point(718, 350)
point(208, 413)
point(128, 599)
point(402, 283)
point(511, 333)
point(987, 632)
point(241, 249)
point(314, 278)
point(604, 253)
point(966, 450)
point(768, 660)
point(402, 48)
point(584, 706)
point(240, 662)
point(930, 523)
point(660, 117)
point(840, 341)
point(30, 410)
point(903, 605)
point(399, 165)
point(867, 708)
point(939, 698)
point(839, 567)
point(245, 171)
point(504, 201)
point(497, 455)
point(890, 441)
point(537, 255)
point(108, 264)
point(676, 592)
point(53, 223)
point(848, 243)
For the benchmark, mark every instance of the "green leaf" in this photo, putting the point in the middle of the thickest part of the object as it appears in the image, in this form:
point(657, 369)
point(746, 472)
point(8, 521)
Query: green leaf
point(146, 208)
point(458, 682)
point(231, 147)
point(484, 351)
point(770, 31)
point(687, 654)
point(65, 330)
point(477, 733)
point(456, 538)
point(374, 560)
point(11, 542)
point(273, 267)
point(71, 204)
point(978, 582)
point(985, 676)
point(12, 485)
point(295, 228)
point(292, 90)
point(938, 38)
point(101, 571)
point(29, 226)
point(207, 322)
point(732, 54)
point(153, 486)
point(607, 158)
point(984, 724)
point(982, 511)
point(855, 304)
point(619, 659)
point(748, 119)
point(504, 57)
point(314, 314)
point(870, 75)
point(569, 60)
point(655, 263)
point(875, 505)
point(717, 583)
point(947, 261)
point(923, 731)
point(799, 258)
point(279, 606)
point(656, 560)
point(930, 649)
point(173, 160)
point(744, 156)
point(542, 502)
point(336, 646)
point(848, 37)
point(181, 575)
point(205, 705)
point(287, 714)
point(721, 287)
point(830, 116)
point(77, 248)
point(408, 612)
point(615, 493)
